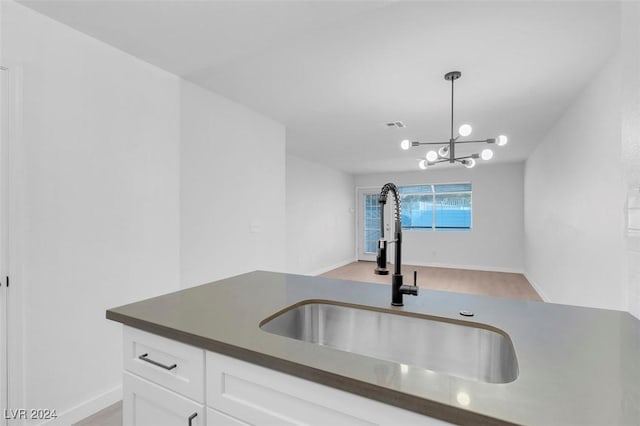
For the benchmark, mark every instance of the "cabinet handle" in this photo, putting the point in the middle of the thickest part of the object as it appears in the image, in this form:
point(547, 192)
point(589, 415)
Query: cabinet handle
point(144, 358)
point(191, 417)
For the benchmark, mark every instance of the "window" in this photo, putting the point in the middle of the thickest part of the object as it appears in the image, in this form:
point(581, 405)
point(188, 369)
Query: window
point(437, 207)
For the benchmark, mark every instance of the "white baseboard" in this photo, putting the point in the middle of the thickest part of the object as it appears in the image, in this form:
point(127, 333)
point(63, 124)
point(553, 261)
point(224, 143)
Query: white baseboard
point(332, 267)
point(86, 409)
point(536, 288)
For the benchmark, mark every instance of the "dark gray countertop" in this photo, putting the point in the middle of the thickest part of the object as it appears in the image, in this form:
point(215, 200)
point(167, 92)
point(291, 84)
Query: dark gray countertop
point(578, 366)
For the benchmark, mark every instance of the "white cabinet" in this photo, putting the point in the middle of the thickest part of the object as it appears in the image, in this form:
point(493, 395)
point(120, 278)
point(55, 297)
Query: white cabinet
point(147, 404)
point(261, 396)
point(217, 418)
point(169, 383)
point(163, 381)
point(169, 363)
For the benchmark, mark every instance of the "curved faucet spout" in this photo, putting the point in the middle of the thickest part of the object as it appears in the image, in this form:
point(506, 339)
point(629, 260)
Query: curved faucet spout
point(390, 187)
point(397, 223)
point(397, 289)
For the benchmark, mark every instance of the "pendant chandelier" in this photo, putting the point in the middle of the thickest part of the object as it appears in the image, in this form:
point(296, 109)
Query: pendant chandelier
point(447, 150)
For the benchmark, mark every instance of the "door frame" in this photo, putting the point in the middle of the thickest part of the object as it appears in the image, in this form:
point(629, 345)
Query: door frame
point(361, 191)
point(4, 240)
point(11, 229)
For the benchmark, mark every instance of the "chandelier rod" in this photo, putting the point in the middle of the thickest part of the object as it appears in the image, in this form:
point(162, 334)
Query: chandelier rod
point(452, 80)
point(452, 147)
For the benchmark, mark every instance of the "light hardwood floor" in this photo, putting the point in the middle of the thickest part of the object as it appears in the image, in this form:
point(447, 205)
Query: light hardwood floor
point(487, 283)
point(110, 416)
point(497, 284)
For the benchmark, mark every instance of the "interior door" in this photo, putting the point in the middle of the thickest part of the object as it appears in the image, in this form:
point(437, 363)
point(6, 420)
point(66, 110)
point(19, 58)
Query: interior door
point(4, 239)
point(369, 231)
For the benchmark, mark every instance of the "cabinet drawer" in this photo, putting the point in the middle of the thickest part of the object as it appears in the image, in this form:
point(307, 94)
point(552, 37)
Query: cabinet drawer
point(174, 365)
point(261, 396)
point(147, 404)
point(216, 418)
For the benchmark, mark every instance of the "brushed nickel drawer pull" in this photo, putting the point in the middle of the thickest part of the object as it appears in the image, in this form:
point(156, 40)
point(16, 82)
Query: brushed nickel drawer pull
point(144, 358)
point(191, 417)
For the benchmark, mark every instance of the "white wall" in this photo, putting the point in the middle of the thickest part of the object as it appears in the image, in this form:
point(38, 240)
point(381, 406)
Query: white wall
point(575, 201)
point(495, 241)
point(232, 189)
point(320, 217)
point(97, 218)
point(100, 201)
point(630, 59)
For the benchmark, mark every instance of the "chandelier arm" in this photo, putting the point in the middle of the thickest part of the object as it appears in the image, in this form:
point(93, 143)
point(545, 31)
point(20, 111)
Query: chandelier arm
point(441, 160)
point(416, 143)
point(482, 141)
point(430, 143)
point(474, 156)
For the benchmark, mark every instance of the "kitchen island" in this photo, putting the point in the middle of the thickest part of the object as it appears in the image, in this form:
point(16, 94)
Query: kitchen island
point(576, 365)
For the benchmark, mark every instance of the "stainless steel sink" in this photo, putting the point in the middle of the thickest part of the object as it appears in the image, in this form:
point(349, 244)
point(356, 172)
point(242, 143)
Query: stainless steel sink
point(458, 348)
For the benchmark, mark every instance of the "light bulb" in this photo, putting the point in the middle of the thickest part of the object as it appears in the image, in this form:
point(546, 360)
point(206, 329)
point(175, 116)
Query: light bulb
point(486, 154)
point(405, 144)
point(443, 151)
point(463, 399)
point(432, 156)
point(423, 164)
point(465, 130)
point(502, 140)
point(469, 163)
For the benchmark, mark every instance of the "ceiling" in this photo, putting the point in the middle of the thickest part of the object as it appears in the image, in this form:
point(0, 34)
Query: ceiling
point(334, 72)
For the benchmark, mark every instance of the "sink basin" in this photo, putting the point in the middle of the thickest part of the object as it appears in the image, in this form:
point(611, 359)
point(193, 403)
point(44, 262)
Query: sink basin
point(468, 350)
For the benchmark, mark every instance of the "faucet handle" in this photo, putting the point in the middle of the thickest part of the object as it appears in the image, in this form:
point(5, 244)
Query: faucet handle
point(409, 289)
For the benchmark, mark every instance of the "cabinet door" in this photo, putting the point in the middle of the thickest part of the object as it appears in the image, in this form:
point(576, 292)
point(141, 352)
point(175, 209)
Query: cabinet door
point(147, 404)
point(217, 418)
